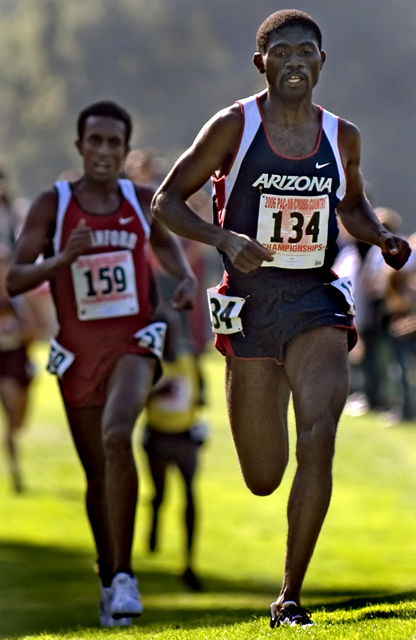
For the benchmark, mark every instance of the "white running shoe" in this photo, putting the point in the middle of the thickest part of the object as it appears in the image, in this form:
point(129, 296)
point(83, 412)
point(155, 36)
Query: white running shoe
point(125, 597)
point(106, 619)
point(291, 614)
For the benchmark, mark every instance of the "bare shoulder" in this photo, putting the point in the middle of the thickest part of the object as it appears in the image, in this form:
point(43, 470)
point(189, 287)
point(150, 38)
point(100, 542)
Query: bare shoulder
point(145, 194)
point(225, 125)
point(38, 227)
point(349, 139)
point(217, 143)
point(43, 208)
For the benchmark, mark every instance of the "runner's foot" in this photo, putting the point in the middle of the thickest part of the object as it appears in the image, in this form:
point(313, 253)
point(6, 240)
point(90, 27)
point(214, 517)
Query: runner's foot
point(126, 597)
point(290, 614)
point(106, 619)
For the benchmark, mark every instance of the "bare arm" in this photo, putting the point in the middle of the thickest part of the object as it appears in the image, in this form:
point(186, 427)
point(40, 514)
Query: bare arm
point(170, 254)
point(172, 257)
point(355, 210)
point(212, 151)
point(25, 273)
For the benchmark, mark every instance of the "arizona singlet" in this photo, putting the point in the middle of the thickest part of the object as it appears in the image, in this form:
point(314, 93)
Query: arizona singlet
point(289, 206)
point(102, 299)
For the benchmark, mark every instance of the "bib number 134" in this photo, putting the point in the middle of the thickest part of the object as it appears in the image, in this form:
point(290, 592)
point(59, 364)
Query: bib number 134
point(225, 312)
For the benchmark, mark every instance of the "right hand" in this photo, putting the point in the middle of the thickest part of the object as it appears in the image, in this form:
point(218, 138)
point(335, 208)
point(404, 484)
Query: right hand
point(245, 253)
point(395, 250)
point(78, 242)
point(185, 294)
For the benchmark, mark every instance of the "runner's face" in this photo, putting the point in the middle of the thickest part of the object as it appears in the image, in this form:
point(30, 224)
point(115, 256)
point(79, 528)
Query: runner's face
point(103, 147)
point(292, 61)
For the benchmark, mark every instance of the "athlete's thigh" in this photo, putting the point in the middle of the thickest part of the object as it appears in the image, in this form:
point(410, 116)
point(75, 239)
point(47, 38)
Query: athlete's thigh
point(14, 398)
point(187, 460)
point(128, 389)
point(85, 427)
point(158, 467)
point(258, 394)
point(317, 368)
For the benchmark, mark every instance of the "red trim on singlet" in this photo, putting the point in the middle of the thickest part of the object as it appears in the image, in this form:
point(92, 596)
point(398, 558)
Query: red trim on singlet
point(223, 345)
point(222, 288)
point(219, 183)
point(219, 188)
point(309, 155)
point(214, 178)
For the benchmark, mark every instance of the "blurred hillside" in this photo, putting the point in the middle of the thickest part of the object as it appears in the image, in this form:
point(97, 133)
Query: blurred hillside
point(173, 63)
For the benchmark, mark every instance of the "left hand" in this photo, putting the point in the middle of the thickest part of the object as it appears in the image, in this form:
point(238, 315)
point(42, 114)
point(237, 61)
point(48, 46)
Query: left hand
point(395, 250)
point(185, 294)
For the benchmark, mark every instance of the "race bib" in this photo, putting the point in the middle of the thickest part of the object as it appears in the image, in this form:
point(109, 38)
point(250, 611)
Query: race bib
point(105, 285)
point(152, 337)
point(60, 359)
point(345, 286)
point(225, 312)
point(295, 228)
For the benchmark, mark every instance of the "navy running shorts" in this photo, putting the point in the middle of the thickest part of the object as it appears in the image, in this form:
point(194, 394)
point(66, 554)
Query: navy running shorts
point(280, 304)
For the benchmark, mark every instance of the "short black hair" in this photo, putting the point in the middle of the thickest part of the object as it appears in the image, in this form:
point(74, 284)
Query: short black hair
point(106, 109)
point(281, 19)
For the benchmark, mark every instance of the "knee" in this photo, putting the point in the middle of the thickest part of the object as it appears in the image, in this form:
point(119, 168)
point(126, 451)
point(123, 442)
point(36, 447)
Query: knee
point(117, 442)
point(263, 481)
point(316, 446)
point(259, 488)
point(95, 475)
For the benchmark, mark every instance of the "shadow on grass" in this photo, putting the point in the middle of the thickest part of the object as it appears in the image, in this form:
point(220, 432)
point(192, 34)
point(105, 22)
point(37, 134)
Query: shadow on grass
point(48, 589)
point(374, 605)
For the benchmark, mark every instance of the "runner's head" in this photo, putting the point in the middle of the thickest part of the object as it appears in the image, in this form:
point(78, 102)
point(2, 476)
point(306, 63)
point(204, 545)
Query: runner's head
point(106, 109)
point(104, 131)
point(289, 53)
point(285, 18)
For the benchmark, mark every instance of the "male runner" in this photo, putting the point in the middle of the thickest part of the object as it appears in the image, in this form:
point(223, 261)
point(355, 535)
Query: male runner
point(94, 234)
point(173, 436)
point(281, 166)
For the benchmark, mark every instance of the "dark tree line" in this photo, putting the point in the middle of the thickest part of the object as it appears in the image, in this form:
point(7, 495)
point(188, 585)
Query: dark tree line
point(173, 63)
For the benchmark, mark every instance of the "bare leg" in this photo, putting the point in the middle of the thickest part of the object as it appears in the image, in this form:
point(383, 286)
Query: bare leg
point(85, 427)
point(317, 370)
point(257, 399)
point(158, 472)
point(14, 400)
point(128, 390)
point(187, 463)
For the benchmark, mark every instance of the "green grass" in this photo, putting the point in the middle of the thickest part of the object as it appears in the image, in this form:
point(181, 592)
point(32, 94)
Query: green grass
point(361, 582)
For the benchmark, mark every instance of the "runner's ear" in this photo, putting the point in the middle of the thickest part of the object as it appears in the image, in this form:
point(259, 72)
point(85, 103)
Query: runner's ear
point(258, 62)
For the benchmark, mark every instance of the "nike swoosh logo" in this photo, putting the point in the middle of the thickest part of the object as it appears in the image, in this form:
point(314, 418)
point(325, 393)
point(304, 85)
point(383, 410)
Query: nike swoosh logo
point(320, 166)
point(125, 220)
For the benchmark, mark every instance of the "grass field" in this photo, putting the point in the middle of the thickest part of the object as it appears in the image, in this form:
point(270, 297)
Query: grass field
point(361, 582)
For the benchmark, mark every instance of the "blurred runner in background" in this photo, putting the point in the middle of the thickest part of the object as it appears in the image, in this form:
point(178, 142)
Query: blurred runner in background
point(17, 330)
point(94, 234)
point(174, 434)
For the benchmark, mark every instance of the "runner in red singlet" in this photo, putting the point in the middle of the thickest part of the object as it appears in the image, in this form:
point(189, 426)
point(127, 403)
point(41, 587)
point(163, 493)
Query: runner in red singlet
point(94, 234)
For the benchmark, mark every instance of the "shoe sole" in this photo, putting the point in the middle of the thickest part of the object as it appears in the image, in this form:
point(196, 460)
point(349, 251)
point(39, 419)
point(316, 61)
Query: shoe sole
point(126, 614)
point(113, 622)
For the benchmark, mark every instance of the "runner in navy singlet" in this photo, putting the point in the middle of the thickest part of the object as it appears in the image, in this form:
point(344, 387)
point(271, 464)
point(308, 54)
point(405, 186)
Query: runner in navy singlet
point(95, 234)
point(283, 168)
